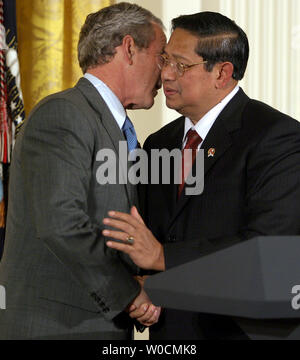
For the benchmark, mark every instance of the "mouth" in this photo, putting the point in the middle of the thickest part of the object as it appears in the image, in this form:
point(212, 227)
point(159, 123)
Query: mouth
point(169, 91)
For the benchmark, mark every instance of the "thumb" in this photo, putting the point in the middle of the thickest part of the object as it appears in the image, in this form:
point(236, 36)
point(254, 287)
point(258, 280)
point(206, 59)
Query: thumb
point(134, 212)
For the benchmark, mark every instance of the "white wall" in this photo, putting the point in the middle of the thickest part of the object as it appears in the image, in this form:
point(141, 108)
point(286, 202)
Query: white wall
point(273, 29)
point(273, 72)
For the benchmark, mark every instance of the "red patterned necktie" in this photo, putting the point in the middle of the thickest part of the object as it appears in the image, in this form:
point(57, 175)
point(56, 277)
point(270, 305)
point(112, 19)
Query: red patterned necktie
point(193, 141)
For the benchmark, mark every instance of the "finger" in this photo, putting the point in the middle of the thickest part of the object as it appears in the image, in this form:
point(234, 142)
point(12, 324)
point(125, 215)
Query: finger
point(119, 246)
point(132, 308)
point(120, 225)
point(147, 315)
point(118, 235)
point(156, 315)
point(127, 218)
point(134, 212)
point(139, 312)
point(154, 319)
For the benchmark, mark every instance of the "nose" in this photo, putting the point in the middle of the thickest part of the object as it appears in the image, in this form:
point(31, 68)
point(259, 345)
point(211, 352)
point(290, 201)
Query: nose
point(168, 72)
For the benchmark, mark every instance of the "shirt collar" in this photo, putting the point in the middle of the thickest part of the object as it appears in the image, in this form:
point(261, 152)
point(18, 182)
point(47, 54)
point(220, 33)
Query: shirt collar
point(111, 100)
point(206, 122)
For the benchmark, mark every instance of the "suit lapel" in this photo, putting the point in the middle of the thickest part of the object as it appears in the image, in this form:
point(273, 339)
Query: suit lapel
point(219, 140)
point(110, 125)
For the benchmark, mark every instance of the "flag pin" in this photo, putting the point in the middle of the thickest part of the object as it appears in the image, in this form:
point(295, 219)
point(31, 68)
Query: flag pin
point(211, 152)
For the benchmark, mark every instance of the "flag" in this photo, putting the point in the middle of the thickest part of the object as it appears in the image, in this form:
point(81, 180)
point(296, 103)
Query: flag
point(2, 219)
point(12, 114)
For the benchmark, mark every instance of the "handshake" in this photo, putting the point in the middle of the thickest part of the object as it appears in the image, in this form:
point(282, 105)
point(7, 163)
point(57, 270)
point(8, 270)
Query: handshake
point(142, 309)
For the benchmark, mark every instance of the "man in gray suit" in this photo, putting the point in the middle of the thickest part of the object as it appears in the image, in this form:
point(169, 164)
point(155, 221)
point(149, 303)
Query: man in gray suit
point(61, 280)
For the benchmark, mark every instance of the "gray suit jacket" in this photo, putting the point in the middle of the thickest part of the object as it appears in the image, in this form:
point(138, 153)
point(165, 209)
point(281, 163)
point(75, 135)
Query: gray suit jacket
point(60, 278)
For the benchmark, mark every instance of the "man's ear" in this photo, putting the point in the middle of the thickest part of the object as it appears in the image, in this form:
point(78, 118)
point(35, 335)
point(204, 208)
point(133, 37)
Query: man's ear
point(224, 73)
point(129, 48)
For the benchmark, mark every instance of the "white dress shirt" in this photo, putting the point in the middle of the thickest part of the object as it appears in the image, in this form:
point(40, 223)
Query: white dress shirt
point(206, 122)
point(111, 100)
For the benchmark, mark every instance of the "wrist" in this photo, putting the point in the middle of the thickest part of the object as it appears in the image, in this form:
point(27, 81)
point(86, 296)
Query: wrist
point(159, 264)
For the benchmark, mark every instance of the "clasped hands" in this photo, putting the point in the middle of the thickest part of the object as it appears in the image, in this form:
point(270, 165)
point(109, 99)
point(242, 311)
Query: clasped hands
point(142, 308)
point(145, 251)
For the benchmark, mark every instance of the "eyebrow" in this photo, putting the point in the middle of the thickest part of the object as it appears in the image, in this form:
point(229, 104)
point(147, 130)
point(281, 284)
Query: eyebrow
point(178, 57)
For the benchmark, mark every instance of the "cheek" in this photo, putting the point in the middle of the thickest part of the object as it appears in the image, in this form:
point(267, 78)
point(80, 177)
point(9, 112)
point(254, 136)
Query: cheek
point(193, 89)
point(155, 72)
point(152, 79)
point(147, 74)
point(188, 91)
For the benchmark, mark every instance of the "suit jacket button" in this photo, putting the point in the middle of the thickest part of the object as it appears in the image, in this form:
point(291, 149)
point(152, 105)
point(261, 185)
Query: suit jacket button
point(172, 238)
point(95, 297)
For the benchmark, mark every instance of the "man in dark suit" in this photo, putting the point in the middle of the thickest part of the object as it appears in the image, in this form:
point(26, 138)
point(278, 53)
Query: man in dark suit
point(251, 165)
point(61, 280)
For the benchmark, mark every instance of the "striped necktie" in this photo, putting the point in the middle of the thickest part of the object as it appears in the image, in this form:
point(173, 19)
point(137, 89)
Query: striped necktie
point(130, 134)
point(193, 141)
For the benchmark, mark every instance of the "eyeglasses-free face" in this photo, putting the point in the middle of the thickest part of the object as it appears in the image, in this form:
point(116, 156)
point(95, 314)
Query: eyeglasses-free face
point(179, 67)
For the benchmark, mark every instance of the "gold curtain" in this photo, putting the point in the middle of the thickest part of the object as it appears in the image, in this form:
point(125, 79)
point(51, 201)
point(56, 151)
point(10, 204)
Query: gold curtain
point(47, 44)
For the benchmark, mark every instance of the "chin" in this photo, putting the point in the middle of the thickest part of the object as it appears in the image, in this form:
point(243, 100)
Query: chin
point(145, 103)
point(171, 105)
point(145, 106)
point(148, 104)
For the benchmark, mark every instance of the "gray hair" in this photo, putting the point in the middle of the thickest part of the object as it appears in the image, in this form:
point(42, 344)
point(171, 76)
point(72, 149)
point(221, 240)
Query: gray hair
point(105, 29)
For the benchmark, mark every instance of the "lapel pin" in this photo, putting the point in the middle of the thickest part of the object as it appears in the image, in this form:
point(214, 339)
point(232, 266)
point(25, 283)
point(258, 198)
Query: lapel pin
point(211, 152)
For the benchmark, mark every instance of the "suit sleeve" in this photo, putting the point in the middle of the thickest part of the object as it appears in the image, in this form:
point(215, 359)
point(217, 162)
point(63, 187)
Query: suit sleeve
point(273, 183)
point(57, 161)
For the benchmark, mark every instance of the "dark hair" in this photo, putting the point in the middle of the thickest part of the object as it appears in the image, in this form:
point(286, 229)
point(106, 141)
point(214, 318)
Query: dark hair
point(105, 29)
point(220, 39)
